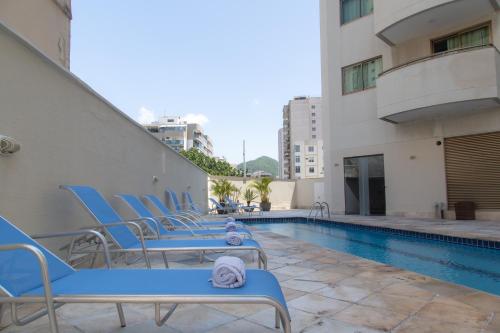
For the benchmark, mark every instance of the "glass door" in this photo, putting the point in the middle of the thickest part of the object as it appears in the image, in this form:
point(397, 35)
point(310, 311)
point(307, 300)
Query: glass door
point(364, 185)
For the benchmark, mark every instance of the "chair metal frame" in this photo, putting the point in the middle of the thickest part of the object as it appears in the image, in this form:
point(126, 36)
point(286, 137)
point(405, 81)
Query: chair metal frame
point(134, 224)
point(52, 302)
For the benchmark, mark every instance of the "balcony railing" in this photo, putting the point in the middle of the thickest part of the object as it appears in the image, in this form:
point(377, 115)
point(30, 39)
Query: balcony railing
point(398, 21)
point(441, 85)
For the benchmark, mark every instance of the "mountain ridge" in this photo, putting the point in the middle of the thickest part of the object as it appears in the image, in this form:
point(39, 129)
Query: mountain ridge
point(263, 163)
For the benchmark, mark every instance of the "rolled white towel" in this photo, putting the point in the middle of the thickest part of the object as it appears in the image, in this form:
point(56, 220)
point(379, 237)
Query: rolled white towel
point(228, 272)
point(229, 219)
point(231, 226)
point(234, 239)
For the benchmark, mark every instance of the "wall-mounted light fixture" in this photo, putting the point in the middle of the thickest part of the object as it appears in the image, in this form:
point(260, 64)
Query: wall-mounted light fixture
point(155, 179)
point(8, 146)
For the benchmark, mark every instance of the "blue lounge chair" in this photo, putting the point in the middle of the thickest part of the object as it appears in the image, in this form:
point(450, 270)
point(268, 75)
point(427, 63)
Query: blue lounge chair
point(178, 207)
point(153, 199)
point(192, 205)
point(217, 207)
point(143, 212)
point(127, 242)
point(29, 273)
point(241, 208)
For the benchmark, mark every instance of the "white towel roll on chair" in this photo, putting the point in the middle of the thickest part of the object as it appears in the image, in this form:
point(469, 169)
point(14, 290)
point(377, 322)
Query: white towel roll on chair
point(228, 272)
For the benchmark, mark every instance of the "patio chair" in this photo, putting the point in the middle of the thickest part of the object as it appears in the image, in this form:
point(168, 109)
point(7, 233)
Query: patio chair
point(178, 207)
point(31, 274)
point(217, 207)
point(192, 205)
point(142, 211)
point(153, 199)
point(127, 242)
point(241, 208)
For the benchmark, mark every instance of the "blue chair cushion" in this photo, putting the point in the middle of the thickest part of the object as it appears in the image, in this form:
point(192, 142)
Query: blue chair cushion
point(157, 282)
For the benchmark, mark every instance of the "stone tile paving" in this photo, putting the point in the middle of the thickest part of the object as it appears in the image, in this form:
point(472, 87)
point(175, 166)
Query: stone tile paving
point(326, 291)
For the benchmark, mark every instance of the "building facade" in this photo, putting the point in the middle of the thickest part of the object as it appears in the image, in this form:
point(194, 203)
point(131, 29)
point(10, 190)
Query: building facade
point(180, 135)
point(302, 152)
point(44, 23)
point(281, 167)
point(411, 106)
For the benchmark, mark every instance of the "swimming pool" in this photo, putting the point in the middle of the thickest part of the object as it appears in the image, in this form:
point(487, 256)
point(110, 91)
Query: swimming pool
point(472, 266)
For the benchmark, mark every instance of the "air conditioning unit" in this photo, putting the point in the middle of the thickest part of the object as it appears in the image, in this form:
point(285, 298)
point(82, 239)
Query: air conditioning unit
point(8, 146)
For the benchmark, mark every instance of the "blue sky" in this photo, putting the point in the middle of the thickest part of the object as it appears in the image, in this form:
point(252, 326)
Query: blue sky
point(231, 63)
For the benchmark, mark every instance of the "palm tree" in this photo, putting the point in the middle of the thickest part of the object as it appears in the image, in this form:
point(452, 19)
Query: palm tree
point(249, 196)
point(263, 187)
point(221, 188)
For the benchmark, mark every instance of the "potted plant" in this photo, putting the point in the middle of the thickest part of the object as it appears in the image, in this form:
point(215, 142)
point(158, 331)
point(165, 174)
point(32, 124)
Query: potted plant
point(221, 188)
point(249, 196)
point(263, 187)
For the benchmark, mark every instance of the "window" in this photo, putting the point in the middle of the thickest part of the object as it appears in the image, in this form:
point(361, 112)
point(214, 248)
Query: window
point(297, 159)
point(314, 121)
point(311, 169)
point(314, 136)
point(297, 148)
point(297, 169)
point(469, 38)
point(311, 159)
point(361, 76)
point(310, 149)
point(353, 9)
point(314, 129)
point(313, 107)
point(313, 114)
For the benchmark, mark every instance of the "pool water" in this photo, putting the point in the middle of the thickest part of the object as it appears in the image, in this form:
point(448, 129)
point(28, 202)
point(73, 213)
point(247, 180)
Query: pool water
point(474, 267)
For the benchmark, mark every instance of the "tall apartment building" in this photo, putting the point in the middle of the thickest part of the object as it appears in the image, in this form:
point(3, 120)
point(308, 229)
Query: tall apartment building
point(45, 23)
point(302, 152)
point(411, 105)
point(281, 167)
point(181, 135)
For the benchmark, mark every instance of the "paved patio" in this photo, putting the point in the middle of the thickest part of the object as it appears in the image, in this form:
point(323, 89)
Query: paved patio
point(326, 291)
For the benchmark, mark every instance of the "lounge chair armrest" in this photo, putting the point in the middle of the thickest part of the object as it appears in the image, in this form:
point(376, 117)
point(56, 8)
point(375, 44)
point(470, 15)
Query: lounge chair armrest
point(186, 218)
point(94, 233)
point(134, 225)
point(168, 218)
point(44, 272)
point(144, 221)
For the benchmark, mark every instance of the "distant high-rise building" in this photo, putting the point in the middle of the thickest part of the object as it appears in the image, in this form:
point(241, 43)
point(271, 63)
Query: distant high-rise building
point(180, 135)
point(302, 152)
point(281, 171)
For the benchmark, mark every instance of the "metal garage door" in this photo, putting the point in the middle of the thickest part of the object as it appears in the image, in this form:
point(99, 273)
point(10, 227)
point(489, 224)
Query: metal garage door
point(473, 170)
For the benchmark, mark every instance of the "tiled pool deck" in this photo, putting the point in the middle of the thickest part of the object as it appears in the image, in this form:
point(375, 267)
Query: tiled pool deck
point(326, 291)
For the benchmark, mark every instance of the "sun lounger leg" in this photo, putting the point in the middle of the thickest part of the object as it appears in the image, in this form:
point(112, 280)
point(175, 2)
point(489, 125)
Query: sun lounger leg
point(121, 315)
point(159, 320)
point(165, 260)
point(277, 319)
point(94, 257)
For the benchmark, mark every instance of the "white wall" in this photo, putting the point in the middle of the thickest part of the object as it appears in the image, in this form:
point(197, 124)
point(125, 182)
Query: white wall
point(308, 191)
point(282, 192)
point(45, 23)
point(70, 135)
point(286, 194)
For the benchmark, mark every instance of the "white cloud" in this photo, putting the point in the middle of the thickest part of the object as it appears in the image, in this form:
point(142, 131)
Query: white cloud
point(198, 118)
point(146, 116)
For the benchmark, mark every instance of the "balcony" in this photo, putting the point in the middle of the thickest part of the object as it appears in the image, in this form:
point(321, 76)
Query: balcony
point(397, 21)
point(448, 84)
